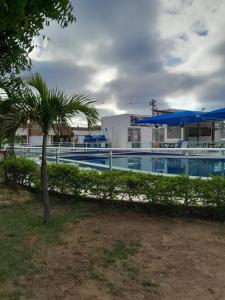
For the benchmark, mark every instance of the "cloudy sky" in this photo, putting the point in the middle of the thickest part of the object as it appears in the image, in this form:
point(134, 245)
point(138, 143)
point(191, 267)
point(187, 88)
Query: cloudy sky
point(123, 53)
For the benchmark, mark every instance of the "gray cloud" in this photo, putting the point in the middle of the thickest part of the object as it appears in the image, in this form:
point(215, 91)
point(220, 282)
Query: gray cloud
point(200, 28)
point(66, 76)
point(124, 35)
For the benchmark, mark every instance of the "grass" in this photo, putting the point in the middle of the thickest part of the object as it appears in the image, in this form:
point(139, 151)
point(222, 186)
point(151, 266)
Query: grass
point(23, 233)
point(22, 223)
point(119, 251)
point(118, 257)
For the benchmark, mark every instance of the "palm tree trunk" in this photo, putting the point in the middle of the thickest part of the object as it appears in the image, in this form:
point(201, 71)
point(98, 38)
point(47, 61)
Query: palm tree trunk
point(44, 180)
point(12, 145)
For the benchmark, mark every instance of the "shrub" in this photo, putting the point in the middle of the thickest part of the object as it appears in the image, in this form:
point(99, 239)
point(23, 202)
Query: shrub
point(176, 192)
point(20, 171)
point(64, 178)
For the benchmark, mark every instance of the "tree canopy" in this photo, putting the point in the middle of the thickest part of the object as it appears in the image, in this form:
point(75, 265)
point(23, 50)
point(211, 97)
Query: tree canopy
point(49, 108)
point(20, 22)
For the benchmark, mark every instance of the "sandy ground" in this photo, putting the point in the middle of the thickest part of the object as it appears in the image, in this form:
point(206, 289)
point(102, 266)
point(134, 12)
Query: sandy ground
point(177, 260)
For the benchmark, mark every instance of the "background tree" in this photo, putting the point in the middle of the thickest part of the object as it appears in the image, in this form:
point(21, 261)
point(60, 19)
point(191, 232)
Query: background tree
point(20, 22)
point(48, 108)
point(8, 97)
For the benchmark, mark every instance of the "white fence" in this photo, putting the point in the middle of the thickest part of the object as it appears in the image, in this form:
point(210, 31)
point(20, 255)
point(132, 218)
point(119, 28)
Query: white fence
point(151, 160)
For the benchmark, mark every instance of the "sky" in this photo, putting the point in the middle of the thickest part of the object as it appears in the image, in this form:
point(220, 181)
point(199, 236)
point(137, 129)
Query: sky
point(123, 53)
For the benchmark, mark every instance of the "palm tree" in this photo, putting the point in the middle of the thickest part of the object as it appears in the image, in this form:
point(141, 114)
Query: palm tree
point(7, 99)
point(49, 108)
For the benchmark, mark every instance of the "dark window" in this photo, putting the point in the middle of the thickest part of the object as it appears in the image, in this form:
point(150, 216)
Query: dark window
point(193, 131)
point(205, 131)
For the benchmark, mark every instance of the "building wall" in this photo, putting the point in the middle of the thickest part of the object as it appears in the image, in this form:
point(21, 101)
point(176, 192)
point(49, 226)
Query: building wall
point(21, 131)
point(116, 130)
point(146, 137)
point(36, 140)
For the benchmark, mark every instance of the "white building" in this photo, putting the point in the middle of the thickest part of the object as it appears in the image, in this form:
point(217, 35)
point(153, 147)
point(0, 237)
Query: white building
point(32, 135)
point(194, 134)
point(123, 133)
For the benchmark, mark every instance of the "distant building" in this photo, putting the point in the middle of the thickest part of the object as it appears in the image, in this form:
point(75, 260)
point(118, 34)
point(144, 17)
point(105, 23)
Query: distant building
point(122, 131)
point(199, 133)
point(32, 135)
point(80, 133)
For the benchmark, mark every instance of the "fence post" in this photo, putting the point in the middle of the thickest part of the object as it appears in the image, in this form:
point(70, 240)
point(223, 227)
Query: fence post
point(57, 156)
point(110, 160)
point(186, 163)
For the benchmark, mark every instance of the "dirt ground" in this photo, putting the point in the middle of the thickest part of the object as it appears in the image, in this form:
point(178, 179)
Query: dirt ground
point(175, 260)
point(14, 195)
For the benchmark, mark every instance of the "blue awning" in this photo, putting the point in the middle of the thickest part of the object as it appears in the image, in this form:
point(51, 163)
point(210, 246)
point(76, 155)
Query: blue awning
point(176, 118)
point(215, 115)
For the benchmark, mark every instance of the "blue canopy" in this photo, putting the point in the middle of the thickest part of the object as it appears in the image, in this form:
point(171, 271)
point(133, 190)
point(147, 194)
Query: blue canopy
point(94, 138)
point(215, 115)
point(176, 118)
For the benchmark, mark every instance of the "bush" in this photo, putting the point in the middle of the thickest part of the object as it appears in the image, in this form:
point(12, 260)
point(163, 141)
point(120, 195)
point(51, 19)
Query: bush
point(20, 171)
point(64, 178)
point(176, 193)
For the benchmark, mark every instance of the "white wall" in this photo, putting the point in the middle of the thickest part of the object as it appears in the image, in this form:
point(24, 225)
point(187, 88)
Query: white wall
point(116, 129)
point(146, 137)
point(36, 140)
point(21, 131)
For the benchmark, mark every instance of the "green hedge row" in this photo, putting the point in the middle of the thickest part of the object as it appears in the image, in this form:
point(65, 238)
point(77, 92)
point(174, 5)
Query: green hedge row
point(20, 171)
point(118, 185)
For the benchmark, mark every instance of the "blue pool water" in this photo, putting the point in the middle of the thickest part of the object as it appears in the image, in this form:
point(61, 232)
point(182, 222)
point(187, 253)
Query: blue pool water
point(203, 167)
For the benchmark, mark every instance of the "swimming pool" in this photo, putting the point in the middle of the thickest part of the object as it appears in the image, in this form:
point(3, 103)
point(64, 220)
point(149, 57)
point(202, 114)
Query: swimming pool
point(169, 164)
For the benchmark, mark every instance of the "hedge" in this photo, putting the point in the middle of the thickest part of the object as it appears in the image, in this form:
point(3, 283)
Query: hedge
point(20, 171)
point(120, 185)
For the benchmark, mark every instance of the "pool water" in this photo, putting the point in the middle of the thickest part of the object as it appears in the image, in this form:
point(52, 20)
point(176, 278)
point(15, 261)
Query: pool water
point(203, 167)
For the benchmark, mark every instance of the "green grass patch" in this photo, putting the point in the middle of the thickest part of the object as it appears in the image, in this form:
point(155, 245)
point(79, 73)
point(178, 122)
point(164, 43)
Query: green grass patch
point(20, 223)
point(119, 251)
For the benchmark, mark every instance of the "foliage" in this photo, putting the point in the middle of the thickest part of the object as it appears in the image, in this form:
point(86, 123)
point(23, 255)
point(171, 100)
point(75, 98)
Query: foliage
point(20, 171)
point(176, 191)
point(20, 22)
point(49, 108)
point(120, 185)
point(64, 178)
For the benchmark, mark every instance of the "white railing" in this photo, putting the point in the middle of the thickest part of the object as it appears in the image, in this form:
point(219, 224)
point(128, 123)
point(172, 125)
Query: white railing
point(69, 155)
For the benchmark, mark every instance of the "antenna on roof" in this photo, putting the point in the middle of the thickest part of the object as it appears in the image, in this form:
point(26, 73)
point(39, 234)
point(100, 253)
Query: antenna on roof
point(153, 106)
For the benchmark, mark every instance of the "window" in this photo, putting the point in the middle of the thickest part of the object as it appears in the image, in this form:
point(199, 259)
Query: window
point(206, 131)
point(193, 131)
point(134, 135)
point(173, 132)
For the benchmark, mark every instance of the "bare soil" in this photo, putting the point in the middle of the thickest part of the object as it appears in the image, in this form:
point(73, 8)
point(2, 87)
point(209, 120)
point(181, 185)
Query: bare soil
point(176, 260)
